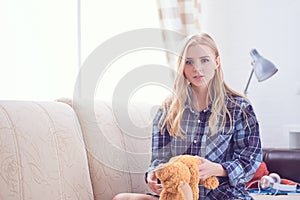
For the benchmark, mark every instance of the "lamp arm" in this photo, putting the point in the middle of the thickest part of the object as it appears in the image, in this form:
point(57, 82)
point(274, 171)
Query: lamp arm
point(246, 88)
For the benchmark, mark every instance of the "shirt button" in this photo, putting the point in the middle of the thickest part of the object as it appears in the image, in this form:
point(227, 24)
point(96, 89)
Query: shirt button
point(195, 141)
point(198, 120)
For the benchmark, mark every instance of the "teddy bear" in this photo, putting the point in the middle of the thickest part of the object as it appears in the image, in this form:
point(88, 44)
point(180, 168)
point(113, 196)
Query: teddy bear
point(182, 169)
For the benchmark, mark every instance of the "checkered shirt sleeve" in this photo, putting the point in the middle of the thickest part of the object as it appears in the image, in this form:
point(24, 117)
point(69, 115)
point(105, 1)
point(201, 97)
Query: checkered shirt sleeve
point(245, 155)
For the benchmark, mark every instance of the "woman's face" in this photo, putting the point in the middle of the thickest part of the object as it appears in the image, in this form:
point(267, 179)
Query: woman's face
point(200, 65)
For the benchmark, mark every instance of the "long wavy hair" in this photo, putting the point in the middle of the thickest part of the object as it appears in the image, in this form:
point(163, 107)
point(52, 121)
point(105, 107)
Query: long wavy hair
point(218, 92)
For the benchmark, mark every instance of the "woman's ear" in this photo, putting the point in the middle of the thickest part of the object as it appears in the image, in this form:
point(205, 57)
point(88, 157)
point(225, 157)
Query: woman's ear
point(218, 61)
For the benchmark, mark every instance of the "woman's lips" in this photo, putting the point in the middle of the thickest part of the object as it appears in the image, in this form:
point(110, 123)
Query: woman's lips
point(198, 76)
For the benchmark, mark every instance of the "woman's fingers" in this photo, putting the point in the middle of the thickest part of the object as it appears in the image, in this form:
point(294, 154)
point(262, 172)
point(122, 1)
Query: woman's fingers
point(202, 176)
point(155, 187)
point(151, 176)
point(152, 183)
point(204, 169)
point(208, 168)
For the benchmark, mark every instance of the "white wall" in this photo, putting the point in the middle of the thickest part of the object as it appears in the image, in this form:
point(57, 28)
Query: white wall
point(272, 27)
point(39, 50)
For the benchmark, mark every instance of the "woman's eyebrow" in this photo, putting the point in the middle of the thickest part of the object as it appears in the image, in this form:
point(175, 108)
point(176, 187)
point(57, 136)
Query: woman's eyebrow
point(204, 57)
point(198, 57)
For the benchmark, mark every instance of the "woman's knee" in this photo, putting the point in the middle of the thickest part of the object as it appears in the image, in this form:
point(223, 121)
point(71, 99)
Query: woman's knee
point(123, 196)
point(133, 196)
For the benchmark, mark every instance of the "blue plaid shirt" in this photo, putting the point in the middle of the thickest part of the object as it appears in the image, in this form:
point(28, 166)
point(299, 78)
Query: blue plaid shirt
point(238, 151)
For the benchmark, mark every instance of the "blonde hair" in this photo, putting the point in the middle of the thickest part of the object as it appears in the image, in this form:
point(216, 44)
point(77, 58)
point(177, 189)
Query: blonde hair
point(217, 92)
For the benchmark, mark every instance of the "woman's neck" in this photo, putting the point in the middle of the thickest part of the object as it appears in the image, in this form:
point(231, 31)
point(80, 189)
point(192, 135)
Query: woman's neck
point(200, 100)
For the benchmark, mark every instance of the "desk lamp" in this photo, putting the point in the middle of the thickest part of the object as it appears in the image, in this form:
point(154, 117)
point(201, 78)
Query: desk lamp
point(262, 68)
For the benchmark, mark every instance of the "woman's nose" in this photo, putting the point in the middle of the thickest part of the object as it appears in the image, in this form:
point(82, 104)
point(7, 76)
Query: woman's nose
point(197, 66)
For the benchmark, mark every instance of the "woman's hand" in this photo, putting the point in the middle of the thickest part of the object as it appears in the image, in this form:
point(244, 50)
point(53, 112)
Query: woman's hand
point(152, 183)
point(208, 169)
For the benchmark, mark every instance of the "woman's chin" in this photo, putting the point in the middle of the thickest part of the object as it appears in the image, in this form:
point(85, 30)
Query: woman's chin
point(199, 83)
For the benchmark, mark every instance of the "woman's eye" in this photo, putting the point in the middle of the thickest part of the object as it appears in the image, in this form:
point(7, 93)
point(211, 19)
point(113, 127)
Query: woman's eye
point(204, 60)
point(188, 62)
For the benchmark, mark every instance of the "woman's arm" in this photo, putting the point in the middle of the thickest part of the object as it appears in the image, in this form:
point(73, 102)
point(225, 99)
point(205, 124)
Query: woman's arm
point(246, 151)
point(161, 151)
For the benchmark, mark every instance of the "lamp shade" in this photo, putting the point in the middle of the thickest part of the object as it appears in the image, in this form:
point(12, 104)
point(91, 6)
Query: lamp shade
point(262, 67)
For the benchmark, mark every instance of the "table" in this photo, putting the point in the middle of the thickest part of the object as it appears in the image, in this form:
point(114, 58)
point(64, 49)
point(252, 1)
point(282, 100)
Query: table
point(277, 197)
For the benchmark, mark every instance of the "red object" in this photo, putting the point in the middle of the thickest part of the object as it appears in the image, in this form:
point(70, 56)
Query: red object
point(287, 182)
point(261, 171)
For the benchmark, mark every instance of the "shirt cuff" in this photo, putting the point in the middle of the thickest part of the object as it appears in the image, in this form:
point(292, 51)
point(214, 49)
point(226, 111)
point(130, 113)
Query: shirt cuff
point(235, 172)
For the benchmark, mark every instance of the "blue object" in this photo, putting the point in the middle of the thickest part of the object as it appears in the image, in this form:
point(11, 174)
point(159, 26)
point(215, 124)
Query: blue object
point(270, 191)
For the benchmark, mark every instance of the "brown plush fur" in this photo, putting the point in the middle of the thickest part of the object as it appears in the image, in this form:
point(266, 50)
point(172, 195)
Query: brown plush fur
point(182, 169)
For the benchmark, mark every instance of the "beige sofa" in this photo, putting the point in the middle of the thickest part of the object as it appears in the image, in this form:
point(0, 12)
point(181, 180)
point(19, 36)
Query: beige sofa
point(48, 151)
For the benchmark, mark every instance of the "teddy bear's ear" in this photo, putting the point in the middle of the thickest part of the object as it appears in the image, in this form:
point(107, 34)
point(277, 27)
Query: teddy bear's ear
point(160, 171)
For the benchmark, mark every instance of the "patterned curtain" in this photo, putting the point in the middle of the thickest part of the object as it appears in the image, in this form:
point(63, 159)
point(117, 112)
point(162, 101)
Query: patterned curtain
point(179, 15)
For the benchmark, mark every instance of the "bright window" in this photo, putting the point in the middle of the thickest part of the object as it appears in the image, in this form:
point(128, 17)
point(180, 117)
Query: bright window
point(39, 44)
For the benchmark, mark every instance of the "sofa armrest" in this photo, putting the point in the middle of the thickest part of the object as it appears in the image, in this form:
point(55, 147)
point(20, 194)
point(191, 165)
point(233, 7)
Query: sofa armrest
point(284, 162)
point(42, 152)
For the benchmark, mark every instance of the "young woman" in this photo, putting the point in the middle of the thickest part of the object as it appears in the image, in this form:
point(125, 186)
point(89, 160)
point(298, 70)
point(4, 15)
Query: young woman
point(205, 118)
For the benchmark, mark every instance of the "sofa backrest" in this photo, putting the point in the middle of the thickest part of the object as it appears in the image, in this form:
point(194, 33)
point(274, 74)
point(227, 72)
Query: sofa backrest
point(118, 141)
point(284, 162)
point(42, 153)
